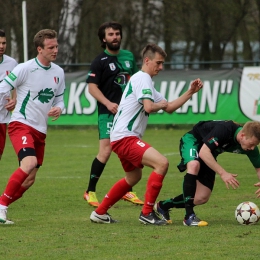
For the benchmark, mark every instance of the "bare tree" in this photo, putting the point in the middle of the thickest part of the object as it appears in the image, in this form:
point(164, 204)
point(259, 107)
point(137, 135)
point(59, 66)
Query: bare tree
point(68, 29)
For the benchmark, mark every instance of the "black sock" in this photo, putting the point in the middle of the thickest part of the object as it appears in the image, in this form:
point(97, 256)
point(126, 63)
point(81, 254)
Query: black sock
point(189, 190)
point(97, 168)
point(176, 202)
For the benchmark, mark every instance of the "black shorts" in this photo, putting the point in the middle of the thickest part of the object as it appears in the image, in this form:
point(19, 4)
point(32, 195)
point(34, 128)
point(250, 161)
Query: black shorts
point(189, 150)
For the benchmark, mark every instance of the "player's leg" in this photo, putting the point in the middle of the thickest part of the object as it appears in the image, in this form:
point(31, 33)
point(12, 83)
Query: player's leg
point(29, 181)
point(100, 215)
point(104, 125)
point(3, 128)
point(130, 155)
point(24, 139)
point(159, 163)
point(96, 171)
point(205, 184)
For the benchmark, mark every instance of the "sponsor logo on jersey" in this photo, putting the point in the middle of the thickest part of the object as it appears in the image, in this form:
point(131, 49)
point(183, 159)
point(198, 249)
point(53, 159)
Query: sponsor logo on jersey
point(34, 69)
point(112, 66)
point(11, 76)
point(127, 63)
point(45, 95)
point(56, 80)
point(147, 91)
point(237, 151)
point(213, 140)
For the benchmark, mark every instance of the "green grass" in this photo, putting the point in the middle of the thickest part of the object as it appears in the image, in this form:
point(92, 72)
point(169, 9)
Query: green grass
point(52, 219)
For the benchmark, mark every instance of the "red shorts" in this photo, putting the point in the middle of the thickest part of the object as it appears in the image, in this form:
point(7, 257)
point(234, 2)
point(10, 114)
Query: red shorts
point(130, 151)
point(23, 136)
point(2, 137)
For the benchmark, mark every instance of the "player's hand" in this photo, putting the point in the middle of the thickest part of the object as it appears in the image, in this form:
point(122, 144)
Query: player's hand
point(163, 103)
point(112, 107)
point(196, 85)
point(55, 113)
point(258, 191)
point(230, 179)
point(10, 104)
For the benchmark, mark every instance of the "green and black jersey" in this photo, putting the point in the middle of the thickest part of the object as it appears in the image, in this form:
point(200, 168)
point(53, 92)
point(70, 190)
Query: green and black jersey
point(220, 136)
point(111, 73)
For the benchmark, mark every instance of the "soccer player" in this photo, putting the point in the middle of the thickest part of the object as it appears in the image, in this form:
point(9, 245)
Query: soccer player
point(40, 86)
point(107, 78)
point(199, 149)
point(139, 99)
point(7, 64)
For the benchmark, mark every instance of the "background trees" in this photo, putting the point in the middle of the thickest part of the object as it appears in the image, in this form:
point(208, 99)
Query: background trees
point(189, 30)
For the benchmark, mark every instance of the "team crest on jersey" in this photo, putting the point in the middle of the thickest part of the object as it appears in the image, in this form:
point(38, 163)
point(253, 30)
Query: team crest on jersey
point(112, 66)
point(127, 63)
point(56, 80)
point(45, 95)
point(12, 77)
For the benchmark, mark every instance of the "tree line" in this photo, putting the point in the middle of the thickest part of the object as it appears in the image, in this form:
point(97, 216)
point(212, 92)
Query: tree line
point(195, 30)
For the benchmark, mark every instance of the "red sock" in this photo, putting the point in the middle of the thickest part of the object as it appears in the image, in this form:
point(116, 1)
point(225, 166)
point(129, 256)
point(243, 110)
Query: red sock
point(12, 187)
point(119, 189)
point(154, 185)
point(18, 194)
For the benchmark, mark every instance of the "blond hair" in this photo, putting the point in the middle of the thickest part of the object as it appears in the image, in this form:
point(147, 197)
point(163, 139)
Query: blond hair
point(252, 129)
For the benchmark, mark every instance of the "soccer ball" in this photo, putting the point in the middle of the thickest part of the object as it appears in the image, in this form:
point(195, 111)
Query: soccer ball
point(247, 213)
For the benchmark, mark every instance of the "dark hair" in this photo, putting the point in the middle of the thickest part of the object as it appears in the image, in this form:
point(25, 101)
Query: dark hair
point(42, 35)
point(150, 49)
point(103, 27)
point(2, 33)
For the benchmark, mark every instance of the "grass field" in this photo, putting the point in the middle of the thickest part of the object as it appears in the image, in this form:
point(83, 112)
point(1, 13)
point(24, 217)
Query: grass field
point(52, 219)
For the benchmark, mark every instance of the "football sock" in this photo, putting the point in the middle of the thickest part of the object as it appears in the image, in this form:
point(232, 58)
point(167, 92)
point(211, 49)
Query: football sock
point(176, 202)
point(189, 190)
point(19, 194)
point(12, 187)
point(119, 189)
point(97, 168)
point(154, 185)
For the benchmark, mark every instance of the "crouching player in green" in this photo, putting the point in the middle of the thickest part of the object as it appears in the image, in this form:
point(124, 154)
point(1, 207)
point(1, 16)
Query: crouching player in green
point(199, 149)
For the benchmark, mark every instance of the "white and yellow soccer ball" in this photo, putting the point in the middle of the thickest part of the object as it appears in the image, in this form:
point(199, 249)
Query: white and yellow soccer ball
point(247, 213)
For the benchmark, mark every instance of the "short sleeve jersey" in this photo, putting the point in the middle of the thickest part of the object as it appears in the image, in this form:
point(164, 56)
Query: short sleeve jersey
point(111, 73)
point(220, 136)
point(6, 66)
point(131, 118)
point(38, 89)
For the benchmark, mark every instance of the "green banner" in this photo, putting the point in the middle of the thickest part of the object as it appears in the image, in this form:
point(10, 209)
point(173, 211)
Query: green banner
point(224, 96)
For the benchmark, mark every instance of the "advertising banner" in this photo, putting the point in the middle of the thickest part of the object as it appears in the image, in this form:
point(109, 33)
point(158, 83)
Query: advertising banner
point(226, 95)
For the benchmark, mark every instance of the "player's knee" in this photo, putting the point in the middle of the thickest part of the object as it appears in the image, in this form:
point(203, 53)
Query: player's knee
point(104, 154)
point(201, 200)
point(163, 164)
point(193, 166)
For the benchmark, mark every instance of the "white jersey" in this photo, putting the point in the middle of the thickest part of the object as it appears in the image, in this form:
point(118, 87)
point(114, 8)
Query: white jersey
point(38, 88)
point(6, 66)
point(131, 118)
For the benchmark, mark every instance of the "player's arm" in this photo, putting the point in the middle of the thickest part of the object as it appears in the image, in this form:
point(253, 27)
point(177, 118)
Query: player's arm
point(150, 106)
point(229, 179)
point(196, 85)
point(11, 101)
point(258, 183)
point(98, 95)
